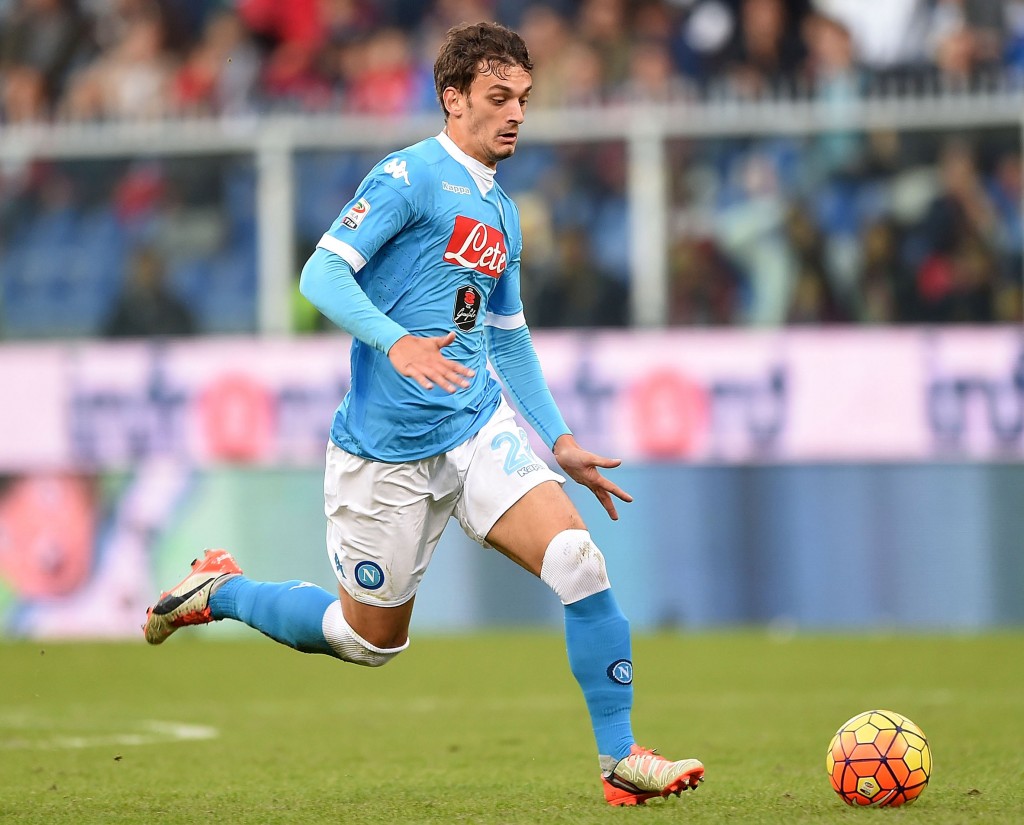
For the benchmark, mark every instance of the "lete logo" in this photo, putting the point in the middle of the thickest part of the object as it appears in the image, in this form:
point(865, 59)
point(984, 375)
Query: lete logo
point(477, 246)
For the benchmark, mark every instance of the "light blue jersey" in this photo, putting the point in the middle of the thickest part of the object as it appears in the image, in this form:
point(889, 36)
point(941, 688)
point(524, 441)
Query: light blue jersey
point(435, 244)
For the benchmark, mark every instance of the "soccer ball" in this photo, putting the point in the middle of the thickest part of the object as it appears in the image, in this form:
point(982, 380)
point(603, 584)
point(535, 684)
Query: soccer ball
point(879, 758)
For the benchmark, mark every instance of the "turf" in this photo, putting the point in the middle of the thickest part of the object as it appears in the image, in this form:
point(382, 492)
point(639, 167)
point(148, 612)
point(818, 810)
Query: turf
point(490, 729)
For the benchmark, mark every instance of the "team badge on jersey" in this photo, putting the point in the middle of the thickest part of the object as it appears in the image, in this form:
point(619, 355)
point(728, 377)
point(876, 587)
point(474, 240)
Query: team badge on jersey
point(467, 307)
point(477, 246)
point(355, 215)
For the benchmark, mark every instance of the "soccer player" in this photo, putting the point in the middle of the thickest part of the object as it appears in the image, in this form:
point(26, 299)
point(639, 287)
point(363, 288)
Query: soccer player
point(422, 268)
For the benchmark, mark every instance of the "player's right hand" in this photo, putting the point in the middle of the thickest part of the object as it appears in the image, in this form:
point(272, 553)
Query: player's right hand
point(421, 360)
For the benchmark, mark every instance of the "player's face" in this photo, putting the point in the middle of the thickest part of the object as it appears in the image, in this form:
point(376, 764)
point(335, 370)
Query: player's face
point(485, 122)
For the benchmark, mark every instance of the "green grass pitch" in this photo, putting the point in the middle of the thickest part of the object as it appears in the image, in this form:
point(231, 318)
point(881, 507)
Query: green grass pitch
point(491, 729)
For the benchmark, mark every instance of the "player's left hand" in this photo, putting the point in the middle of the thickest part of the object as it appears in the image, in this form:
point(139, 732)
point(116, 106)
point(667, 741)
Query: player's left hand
point(581, 466)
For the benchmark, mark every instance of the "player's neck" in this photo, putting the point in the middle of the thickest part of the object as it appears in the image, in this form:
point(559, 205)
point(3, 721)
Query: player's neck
point(466, 148)
point(482, 174)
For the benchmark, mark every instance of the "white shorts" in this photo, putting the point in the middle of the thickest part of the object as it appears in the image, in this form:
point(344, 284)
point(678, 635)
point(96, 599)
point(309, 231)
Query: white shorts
point(384, 520)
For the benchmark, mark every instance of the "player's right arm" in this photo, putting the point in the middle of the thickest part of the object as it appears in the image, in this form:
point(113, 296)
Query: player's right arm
point(380, 209)
point(329, 284)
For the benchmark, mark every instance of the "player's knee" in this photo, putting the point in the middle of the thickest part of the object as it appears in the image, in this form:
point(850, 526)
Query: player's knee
point(350, 646)
point(574, 567)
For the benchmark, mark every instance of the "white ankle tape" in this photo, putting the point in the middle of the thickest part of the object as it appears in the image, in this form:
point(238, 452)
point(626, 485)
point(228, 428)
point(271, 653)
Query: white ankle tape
point(352, 647)
point(573, 566)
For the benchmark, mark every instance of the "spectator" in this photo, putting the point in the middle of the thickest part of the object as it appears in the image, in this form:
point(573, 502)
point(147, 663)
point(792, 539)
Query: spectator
point(956, 280)
point(961, 40)
point(766, 50)
point(885, 35)
point(884, 284)
point(705, 37)
point(385, 81)
point(146, 307)
point(652, 77)
point(962, 209)
point(836, 80)
point(40, 43)
point(603, 24)
point(289, 36)
point(130, 81)
point(813, 299)
point(219, 73)
point(704, 287)
point(549, 37)
point(580, 295)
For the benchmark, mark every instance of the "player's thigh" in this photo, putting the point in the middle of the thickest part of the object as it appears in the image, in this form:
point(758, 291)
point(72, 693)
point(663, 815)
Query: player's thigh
point(383, 523)
point(511, 500)
point(525, 530)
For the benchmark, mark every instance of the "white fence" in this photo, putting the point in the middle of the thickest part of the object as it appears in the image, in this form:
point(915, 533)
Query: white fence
point(274, 140)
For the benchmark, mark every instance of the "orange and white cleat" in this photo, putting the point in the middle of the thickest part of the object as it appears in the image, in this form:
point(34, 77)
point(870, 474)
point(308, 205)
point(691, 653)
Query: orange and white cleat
point(645, 774)
point(188, 602)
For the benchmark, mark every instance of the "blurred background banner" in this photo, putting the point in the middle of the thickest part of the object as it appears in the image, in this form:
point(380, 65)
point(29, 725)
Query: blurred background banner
point(714, 396)
point(779, 476)
point(773, 258)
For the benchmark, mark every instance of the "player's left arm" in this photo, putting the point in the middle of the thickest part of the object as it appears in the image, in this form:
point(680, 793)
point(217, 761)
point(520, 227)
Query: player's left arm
point(514, 358)
point(515, 361)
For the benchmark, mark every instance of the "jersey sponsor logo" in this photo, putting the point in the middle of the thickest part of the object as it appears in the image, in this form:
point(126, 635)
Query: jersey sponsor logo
point(396, 168)
point(369, 575)
point(621, 671)
point(477, 246)
point(467, 307)
point(355, 215)
point(458, 190)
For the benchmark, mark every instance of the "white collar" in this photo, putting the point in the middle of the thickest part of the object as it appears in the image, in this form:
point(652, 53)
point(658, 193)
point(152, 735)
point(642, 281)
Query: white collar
point(482, 174)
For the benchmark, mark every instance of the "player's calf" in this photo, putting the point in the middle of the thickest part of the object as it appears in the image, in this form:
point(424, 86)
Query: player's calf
point(350, 646)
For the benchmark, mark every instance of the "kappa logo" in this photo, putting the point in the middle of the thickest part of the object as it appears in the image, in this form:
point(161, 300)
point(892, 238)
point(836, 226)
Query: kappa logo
point(477, 246)
point(396, 168)
point(355, 215)
point(467, 307)
point(458, 190)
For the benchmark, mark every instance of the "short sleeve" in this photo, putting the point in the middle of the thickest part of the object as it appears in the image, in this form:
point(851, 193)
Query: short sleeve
point(505, 305)
point(394, 194)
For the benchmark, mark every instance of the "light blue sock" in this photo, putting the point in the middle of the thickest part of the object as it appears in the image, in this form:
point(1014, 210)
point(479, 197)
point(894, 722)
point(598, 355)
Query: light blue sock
point(597, 641)
point(291, 613)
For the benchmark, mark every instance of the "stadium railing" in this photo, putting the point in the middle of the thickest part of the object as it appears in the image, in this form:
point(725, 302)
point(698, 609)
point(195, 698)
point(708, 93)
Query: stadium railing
point(273, 141)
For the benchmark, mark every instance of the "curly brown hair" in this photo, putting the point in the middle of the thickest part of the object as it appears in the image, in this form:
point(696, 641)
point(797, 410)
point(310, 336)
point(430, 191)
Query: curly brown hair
point(468, 48)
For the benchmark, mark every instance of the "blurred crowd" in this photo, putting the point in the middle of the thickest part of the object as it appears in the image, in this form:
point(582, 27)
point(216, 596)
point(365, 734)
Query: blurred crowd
point(116, 59)
point(870, 227)
point(894, 229)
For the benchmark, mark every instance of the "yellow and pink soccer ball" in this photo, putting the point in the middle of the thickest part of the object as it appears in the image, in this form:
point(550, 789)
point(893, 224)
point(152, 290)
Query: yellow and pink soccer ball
point(879, 758)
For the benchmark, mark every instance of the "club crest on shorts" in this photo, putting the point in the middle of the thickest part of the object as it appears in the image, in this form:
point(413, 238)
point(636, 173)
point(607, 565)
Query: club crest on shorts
point(369, 575)
point(467, 307)
point(621, 671)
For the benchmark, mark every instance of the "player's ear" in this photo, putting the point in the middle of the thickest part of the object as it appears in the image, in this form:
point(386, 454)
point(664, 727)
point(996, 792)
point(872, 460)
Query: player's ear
point(453, 101)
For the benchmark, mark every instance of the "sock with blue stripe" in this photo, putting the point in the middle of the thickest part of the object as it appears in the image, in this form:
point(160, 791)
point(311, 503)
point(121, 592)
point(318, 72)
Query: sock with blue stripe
point(291, 613)
point(597, 641)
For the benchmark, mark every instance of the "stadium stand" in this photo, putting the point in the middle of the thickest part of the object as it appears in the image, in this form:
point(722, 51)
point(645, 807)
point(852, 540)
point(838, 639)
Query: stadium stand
point(854, 225)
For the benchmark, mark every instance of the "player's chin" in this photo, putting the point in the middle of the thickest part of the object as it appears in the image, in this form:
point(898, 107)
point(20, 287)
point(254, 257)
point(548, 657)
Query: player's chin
point(505, 146)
